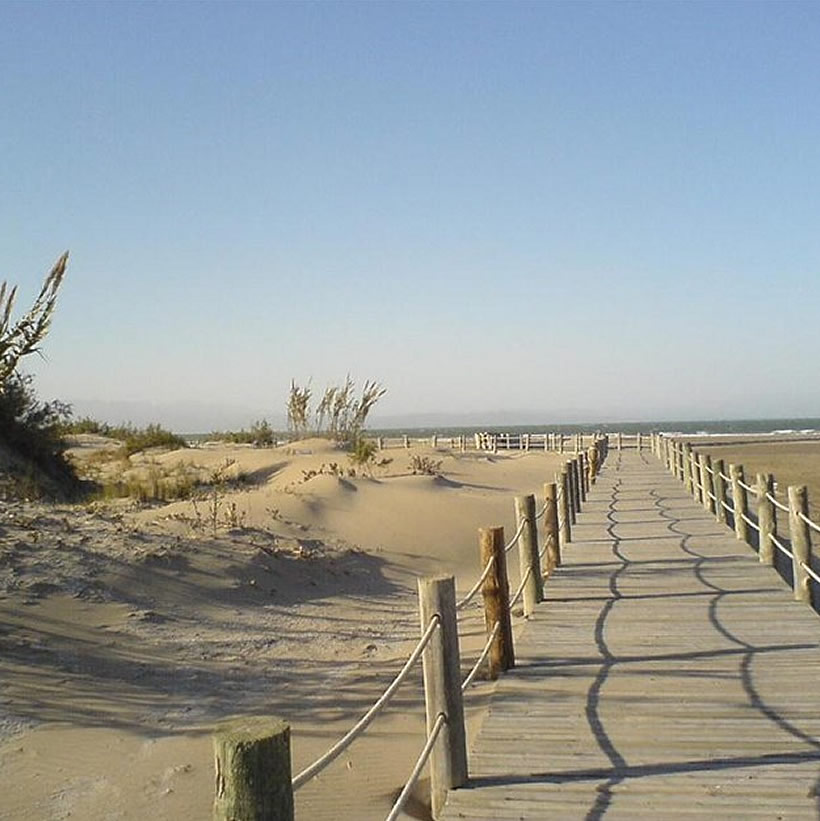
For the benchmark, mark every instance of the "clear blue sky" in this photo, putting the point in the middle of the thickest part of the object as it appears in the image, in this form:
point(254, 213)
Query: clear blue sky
point(603, 209)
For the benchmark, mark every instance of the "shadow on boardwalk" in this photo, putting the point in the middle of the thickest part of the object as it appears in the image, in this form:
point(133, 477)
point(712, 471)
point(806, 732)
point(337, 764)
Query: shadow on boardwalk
point(667, 672)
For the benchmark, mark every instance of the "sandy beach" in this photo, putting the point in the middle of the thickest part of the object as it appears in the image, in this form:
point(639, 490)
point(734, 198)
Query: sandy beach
point(128, 631)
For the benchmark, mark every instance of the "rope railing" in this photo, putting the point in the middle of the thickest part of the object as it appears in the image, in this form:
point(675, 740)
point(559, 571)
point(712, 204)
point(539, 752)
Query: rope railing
point(727, 506)
point(460, 605)
point(750, 522)
point(776, 503)
point(441, 720)
point(511, 543)
point(364, 722)
point(802, 516)
point(780, 546)
point(810, 572)
point(482, 657)
point(520, 591)
point(747, 488)
point(724, 477)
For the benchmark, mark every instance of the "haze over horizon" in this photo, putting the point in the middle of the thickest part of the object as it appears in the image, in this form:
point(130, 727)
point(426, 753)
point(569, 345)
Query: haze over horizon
point(607, 210)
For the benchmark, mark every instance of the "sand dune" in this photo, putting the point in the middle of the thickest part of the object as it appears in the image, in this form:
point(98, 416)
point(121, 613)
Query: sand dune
point(127, 632)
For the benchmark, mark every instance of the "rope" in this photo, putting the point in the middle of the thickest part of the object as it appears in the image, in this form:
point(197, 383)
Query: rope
point(472, 674)
point(511, 543)
point(780, 546)
point(725, 477)
point(709, 470)
point(750, 522)
point(712, 496)
point(520, 590)
point(477, 586)
point(542, 511)
point(777, 504)
point(441, 720)
point(364, 722)
point(747, 488)
point(727, 506)
point(810, 572)
point(808, 521)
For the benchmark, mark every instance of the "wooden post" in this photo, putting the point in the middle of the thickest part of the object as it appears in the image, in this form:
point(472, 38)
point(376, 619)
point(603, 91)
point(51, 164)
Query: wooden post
point(766, 517)
point(405, 441)
point(381, 443)
point(526, 442)
point(434, 441)
point(442, 688)
point(706, 481)
point(496, 595)
point(687, 466)
point(801, 542)
point(565, 523)
point(495, 443)
point(579, 461)
point(253, 773)
point(551, 537)
point(528, 552)
point(720, 490)
point(740, 502)
point(620, 442)
point(575, 495)
point(560, 443)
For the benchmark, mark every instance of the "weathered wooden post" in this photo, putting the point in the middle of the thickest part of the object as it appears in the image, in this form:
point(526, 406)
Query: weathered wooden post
point(766, 517)
point(442, 688)
point(801, 542)
point(495, 443)
point(720, 490)
point(405, 441)
point(560, 443)
point(564, 503)
point(526, 442)
point(582, 470)
point(638, 444)
point(528, 560)
point(620, 442)
point(434, 441)
point(551, 537)
point(573, 493)
point(253, 772)
point(687, 466)
point(576, 470)
point(740, 503)
point(706, 481)
point(496, 595)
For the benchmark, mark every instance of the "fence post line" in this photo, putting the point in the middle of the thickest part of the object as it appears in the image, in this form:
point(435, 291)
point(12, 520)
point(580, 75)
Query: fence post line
point(442, 688)
point(253, 770)
point(766, 517)
point(496, 594)
point(528, 552)
point(801, 542)
point(551, 537)
point(740, 503)
point(720, 490)
point(565, 525)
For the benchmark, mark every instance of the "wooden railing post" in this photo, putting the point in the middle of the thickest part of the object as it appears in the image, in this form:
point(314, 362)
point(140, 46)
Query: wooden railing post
point(551, 538)
point(687, 466)
point(766, 517)
point(442, 688)
point(528, 560)
point(638, 443)
point(571, 492)
point(576, 472)
point(720, 490)
point(496, 595)
point(405, 441)
point(434, 441)
point(565, 521)
point(801, 542)
point(582, 474)
point(253, 771)
point(740, 502)
point(620, 442)
point(706, 481)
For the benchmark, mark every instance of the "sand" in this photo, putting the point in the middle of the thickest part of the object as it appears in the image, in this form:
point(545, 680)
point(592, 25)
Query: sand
point(127, 632)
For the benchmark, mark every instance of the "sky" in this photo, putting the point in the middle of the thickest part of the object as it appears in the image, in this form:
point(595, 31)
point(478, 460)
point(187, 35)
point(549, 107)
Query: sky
point(549, 211)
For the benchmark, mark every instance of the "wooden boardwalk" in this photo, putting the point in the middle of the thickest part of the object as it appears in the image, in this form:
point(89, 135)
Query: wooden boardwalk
point(668, 674)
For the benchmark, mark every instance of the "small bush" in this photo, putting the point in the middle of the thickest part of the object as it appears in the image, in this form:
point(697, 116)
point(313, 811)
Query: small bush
point(425, 465)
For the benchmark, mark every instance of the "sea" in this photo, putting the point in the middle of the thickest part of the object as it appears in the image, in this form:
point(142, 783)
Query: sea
point(703, 427)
